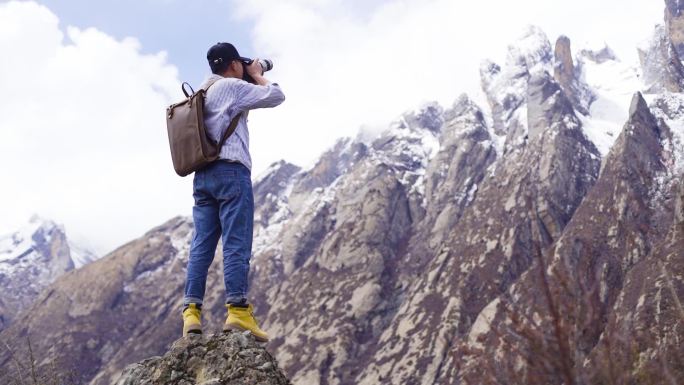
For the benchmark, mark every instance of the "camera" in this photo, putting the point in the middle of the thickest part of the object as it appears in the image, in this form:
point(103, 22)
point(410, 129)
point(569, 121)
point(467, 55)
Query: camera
point(266, 65)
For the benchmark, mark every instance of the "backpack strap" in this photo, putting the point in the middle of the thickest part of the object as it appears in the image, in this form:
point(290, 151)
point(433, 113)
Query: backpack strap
point(211, 83)
point(229, 131)
point(187, 95)
point(233, 123)
point(192, 91)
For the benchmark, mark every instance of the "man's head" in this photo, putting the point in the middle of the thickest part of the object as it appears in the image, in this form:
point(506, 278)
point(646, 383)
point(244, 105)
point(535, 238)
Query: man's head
point(225, 60)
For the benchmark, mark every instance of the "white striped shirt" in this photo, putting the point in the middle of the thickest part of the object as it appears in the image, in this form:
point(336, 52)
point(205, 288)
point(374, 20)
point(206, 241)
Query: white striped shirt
point(226, 98)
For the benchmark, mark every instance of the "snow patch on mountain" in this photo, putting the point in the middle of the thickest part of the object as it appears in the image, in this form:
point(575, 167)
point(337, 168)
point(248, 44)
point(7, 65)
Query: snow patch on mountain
point(614, 83)
point(80, 255)
point(32, 258)
point(670, 107)
point(21, 246)
point(419, 127)
point(410, 143)
point(17, 245)
point(181, 242)
point(419, 144)
point(267, 237)
point(531, 52)
point(268, 172)
point(507, 88)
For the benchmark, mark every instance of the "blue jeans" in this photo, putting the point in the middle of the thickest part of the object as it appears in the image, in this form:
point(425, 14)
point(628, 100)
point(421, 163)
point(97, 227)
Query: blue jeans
point(224, 206)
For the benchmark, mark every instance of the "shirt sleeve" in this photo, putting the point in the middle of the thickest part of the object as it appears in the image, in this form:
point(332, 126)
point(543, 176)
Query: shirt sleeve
point(249, 96)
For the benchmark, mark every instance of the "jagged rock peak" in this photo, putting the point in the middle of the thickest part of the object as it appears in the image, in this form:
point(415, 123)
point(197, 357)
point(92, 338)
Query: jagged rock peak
point(334, 162)
point(38, 225)
point(675, 23)
point(276, 169)
point(662, 68)
point(412, 139)
point(642, 134)
point(38, 232)
point(429, 116)
point(30, 259)
point(568, 76)
point(506, 88)
point(597, 56)
point(270, 187)
point(639, 109)
point(531, 52)
point(489, 69)
point(227, 358)
point(669, 108)
point(37, 219)
point(34, 235)
point(462, 106)
point(564, 68)
point(674, 7)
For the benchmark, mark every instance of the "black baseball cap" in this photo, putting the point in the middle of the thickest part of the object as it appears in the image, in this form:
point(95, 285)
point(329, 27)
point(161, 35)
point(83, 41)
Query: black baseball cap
point(224, 53)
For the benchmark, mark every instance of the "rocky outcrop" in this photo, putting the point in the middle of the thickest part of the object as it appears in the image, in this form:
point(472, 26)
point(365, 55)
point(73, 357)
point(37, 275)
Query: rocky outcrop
point(598, 56)
point(644, 335)
point(229, 358)
point(675, 24)
point(506, 88)
point(120, 309)
point(333, 163)
point(527, 201)
point(660, 63)
point(266, 194)
point(345, 271)
point(614, 228)
point(568, 75)
point(453, 175)
point(31, 259)
point(650, 303)
point(131, 298)
point(564, 71)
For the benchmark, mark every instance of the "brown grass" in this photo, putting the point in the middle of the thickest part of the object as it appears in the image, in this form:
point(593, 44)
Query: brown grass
point(26, 371)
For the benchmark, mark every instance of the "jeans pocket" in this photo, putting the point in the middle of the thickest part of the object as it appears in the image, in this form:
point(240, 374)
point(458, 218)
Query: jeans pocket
point(227, 188)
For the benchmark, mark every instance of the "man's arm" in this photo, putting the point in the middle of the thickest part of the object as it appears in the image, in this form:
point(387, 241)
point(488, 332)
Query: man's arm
point(262, 95)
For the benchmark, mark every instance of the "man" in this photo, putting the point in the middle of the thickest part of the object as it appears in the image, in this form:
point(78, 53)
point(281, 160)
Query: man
point(224, 205)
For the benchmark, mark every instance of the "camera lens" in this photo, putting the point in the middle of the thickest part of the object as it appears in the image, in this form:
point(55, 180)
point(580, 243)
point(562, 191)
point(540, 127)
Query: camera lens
point(266, 64)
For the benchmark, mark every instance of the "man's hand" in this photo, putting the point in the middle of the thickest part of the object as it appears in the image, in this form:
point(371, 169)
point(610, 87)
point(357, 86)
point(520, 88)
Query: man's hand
point(254, 69)
point(256, 72)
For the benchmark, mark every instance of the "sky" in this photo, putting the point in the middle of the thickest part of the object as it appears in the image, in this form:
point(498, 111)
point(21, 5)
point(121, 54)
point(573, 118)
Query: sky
point(85, 86)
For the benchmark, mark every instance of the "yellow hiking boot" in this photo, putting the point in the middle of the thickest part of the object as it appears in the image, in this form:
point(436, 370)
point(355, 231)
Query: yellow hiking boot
point(242, 318)
point(191, 320)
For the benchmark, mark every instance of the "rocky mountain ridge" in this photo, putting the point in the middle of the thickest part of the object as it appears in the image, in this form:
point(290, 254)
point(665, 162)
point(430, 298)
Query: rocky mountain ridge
point(447, 249)
point(31, 259)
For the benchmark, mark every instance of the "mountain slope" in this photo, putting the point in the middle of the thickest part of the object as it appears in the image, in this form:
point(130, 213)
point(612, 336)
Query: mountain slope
point(31, 259)
point(615, 228)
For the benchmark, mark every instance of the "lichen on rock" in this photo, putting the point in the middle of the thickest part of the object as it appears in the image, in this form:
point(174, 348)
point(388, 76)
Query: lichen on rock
point(225, 358)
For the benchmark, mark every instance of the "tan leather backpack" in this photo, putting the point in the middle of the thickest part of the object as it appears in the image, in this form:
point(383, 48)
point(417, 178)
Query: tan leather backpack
point(191, 148)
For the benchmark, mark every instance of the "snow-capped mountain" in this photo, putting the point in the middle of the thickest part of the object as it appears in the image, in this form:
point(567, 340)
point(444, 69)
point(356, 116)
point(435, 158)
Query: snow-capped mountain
point(30, 260)
point(516, 242)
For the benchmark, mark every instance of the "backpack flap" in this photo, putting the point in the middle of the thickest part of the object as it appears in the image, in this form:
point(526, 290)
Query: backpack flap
point(190, 148)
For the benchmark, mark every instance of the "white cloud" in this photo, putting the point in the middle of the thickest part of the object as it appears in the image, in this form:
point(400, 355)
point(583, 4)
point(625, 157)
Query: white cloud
point(347, 64)
point(82, 130)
